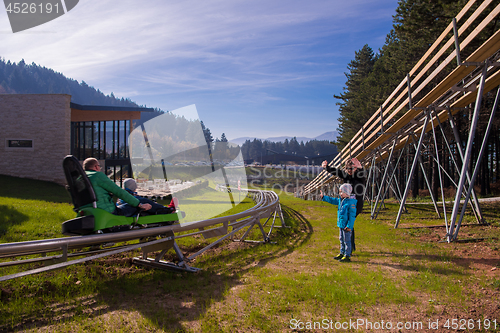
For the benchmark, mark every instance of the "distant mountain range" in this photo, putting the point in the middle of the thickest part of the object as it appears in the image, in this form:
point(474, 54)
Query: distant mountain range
point(329, 136)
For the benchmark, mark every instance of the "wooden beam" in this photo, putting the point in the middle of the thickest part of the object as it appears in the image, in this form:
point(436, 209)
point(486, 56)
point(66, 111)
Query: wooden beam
point(92, 115)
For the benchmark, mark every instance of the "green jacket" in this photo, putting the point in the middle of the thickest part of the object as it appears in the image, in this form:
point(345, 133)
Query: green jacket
point(104, 189)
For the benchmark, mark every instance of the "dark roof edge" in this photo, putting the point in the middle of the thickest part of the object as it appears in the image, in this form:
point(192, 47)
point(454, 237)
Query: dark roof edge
point(108, 108)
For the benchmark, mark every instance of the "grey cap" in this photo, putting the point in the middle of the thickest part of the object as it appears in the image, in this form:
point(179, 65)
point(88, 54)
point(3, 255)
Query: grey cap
point(130, 184)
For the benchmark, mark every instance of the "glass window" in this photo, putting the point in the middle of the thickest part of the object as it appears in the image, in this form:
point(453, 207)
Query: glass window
point(100, 139)
point(20, 143)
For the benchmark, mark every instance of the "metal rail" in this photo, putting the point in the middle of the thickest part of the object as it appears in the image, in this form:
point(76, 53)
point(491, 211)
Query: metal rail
point(154, 239)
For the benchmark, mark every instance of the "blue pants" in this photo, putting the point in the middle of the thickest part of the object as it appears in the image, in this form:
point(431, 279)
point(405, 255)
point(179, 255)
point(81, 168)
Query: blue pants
point(345, 242)
point(156, 208)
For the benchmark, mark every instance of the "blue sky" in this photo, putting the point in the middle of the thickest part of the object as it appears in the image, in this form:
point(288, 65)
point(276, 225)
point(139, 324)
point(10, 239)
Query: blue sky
point(253, 68)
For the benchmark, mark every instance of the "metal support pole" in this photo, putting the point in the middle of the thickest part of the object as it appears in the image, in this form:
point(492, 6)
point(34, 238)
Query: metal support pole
point(381, 120)
point(374, 187)
point(409, 91)
point(374, 216)
point(407, 162)
point(381, 184)
point(368, 178)
point(148, 146)
point(478, 164)
point(445, 139)
point(396, 181)
point(386, 171)
point(412, 170)
point(477, 211)
point(475, 205)
point(392, 178)
point(283, 224)
point(397, 194)
point(439, 173)
point(436, 208)
point(468, 153)
point(370, 174)
point(363, 137)
point(457, 43)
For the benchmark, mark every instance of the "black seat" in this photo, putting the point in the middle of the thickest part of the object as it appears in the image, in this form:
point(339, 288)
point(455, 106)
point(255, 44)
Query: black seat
point(79, 186)
point(82, 193)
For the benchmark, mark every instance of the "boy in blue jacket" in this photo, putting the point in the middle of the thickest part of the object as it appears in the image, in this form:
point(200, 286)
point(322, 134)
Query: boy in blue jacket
point(346, 215)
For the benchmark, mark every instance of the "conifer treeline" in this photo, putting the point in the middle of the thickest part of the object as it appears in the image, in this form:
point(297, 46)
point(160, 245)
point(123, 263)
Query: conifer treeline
point(255, 149)
point(371, 78)
point(22, 78)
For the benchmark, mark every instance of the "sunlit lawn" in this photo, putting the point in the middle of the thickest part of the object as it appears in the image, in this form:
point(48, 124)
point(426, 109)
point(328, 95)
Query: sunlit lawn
point(403, 274)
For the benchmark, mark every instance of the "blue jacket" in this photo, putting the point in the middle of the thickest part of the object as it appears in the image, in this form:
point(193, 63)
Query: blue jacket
point(120, 202)
point(346, 213)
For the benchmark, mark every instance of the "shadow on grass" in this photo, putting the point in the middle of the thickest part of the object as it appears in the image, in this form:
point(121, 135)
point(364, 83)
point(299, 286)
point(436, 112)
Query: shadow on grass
point(285, 241)
point(30, 189)
point(419, 262)
point(173, 301)
point(302, 225)
point(10, 217)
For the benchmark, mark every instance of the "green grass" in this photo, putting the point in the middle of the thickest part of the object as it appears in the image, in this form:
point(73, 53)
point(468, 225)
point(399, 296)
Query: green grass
point(396, 274)
point(32, 209)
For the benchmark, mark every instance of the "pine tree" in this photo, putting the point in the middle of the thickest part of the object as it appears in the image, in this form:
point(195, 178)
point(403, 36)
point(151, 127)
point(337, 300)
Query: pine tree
point(208, 135)
point(353, 107)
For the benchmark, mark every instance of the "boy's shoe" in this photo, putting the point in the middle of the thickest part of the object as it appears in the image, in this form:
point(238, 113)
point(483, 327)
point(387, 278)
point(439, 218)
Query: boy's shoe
point(338, 256)
point(345, 259)
point(174, 203)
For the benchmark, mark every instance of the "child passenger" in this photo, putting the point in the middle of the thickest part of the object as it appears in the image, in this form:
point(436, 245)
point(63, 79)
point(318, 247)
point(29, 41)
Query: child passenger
point(126, 209)
point(346, 215)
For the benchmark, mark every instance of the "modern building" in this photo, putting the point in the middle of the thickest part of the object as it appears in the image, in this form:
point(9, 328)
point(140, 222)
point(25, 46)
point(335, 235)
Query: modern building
point(39, 130)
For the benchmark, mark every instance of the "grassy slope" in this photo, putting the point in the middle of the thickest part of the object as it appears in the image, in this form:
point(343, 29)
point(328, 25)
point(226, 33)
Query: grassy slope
point(396, 275)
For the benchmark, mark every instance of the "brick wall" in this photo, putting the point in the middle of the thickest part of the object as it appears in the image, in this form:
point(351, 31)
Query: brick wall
point(44, 119)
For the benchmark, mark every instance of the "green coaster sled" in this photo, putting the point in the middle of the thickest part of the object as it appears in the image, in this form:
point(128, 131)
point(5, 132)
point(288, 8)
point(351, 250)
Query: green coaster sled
point(91, 220)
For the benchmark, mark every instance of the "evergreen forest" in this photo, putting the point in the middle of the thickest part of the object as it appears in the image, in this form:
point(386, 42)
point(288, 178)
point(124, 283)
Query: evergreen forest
point(254, 150)
point(23, 78)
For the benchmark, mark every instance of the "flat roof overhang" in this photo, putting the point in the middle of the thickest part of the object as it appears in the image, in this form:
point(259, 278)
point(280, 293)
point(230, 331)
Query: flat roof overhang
point(80, 113)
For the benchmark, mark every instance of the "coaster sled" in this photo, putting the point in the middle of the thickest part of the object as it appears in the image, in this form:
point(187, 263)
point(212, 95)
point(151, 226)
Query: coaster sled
point(92, 220)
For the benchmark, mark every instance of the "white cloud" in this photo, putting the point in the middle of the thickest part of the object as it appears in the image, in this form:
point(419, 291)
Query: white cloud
point(247, 51)
point(100, 34)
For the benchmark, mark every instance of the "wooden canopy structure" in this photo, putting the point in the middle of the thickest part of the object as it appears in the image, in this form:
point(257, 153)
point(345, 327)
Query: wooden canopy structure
point(81, 113)
point(426, 102)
